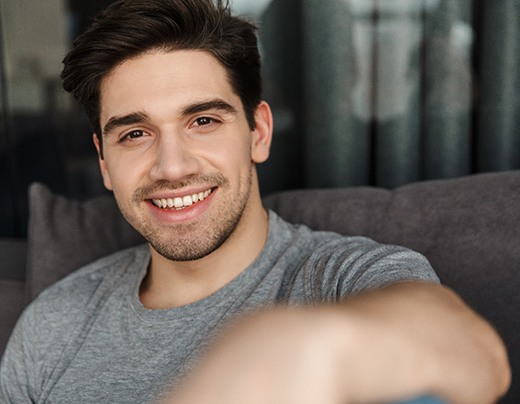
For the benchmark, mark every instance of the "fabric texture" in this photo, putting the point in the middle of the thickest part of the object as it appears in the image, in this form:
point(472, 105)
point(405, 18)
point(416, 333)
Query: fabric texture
point(13, 258)
point(13, 303)
point(65, 234)
point(467, 227)
point(387, 93)
point(12, 285)
point(464, 226)
point(89, 339)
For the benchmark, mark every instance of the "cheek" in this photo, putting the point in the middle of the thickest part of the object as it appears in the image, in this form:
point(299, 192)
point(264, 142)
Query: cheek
point(120, 176)
point(231, 154)
point(237, 160)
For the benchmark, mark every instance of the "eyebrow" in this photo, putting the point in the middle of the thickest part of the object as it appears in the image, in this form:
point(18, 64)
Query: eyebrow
point(130, 119)
point(216, 103)
point(140, 117)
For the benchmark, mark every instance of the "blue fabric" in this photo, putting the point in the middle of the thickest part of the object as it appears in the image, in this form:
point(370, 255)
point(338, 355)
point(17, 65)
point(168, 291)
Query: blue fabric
point(421, 400)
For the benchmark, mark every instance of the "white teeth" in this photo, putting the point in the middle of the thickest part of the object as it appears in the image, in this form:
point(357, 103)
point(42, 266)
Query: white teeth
point(177, 202)
point(187, 201)
point(181, 203)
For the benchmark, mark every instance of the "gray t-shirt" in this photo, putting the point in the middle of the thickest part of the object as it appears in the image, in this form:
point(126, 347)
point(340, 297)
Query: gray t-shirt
point(88, 339)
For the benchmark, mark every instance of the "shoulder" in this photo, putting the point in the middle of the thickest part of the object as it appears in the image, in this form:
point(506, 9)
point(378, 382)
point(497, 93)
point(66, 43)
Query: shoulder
point(350, 265)
point(70, 302)
point(332, 266)
point(55, 318)
point(78, 288)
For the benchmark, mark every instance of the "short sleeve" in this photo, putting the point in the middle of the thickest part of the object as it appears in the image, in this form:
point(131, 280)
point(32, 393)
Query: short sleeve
point(347, 266)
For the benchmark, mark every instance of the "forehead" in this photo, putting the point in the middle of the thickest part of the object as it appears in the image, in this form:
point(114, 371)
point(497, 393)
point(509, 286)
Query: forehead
point(164, 78)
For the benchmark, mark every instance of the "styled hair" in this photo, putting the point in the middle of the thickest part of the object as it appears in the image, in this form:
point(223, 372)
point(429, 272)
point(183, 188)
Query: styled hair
point(129, 28)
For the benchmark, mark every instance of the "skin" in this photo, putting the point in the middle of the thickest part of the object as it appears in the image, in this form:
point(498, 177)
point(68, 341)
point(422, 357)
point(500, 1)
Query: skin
point(173, 127)
point(188, 134)
point(386, 345)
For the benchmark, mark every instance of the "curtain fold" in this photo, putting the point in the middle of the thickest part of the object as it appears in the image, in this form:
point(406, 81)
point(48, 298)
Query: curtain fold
point(392, 91)
point(281, 50)
point(336, 144)
point(9, 210)
point(498, 111)
point(447, 94)
point(396, 91)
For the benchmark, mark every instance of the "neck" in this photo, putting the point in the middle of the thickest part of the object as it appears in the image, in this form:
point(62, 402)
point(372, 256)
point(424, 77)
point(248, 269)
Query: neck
point(170, 284)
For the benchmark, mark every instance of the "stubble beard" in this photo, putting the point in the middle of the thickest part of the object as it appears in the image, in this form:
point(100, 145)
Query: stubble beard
point(193, 241)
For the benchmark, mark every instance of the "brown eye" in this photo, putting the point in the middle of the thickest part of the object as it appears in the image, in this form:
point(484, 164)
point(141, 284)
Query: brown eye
point(135, 134)
point(203, 121)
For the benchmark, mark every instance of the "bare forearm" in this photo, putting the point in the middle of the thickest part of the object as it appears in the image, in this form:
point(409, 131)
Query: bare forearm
point(423, 338)
point(401, 341)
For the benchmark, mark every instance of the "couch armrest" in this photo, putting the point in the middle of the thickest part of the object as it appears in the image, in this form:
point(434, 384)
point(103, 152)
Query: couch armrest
point(12, 285)
point(13, 259)
point(12, 303)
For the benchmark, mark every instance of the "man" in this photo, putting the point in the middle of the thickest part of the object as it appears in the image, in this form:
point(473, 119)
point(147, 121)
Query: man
point(227, 303)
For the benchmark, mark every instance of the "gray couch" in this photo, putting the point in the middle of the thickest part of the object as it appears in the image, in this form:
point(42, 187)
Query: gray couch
point(468, 227)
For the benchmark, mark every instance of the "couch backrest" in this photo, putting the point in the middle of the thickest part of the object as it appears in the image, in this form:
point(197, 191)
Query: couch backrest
point(469, 229)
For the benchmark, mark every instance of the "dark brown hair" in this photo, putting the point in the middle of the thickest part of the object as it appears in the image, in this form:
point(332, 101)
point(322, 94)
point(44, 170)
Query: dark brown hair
point(128, 28)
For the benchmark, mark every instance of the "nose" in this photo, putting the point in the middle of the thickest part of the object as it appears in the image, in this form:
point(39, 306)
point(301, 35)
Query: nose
point(174, 159)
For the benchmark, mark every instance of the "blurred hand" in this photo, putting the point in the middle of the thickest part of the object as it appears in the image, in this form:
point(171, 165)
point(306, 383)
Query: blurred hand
point(281, 356)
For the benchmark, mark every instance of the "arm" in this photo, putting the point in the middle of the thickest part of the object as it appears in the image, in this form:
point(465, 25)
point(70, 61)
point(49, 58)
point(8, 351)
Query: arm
point(393, 343)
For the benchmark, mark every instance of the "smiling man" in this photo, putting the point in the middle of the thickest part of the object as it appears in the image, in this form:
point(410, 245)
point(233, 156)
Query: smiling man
point(227, 303)
point(179, 154)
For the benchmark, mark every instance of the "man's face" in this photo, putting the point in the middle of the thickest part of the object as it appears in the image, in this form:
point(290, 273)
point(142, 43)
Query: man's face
point(178, 152)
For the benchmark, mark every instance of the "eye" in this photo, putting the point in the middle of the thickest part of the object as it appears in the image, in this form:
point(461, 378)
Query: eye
point(204, 124)
point(203, 121)
point(133, 134)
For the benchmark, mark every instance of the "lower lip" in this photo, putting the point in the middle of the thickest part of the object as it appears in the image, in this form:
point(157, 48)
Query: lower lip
point(187, 214)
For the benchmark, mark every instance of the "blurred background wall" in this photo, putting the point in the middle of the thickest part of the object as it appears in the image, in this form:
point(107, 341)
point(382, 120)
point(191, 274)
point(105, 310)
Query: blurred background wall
point(364, 92)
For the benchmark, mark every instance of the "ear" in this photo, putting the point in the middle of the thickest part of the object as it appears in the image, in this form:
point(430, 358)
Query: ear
point(262, 134)
point(102, 163)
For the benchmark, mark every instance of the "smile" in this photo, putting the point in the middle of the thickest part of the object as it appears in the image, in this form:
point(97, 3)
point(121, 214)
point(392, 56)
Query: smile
point(181, 202)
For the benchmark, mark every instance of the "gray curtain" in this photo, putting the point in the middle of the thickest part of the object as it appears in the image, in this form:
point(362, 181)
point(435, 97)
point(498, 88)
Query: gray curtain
point(9, 210)
point(387, 92)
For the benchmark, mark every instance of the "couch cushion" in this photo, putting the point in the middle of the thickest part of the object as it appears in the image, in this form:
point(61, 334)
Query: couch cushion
point(468, 227)
point(12, 303)
point(66, 234)
point(13, 256)
point(12, 285)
